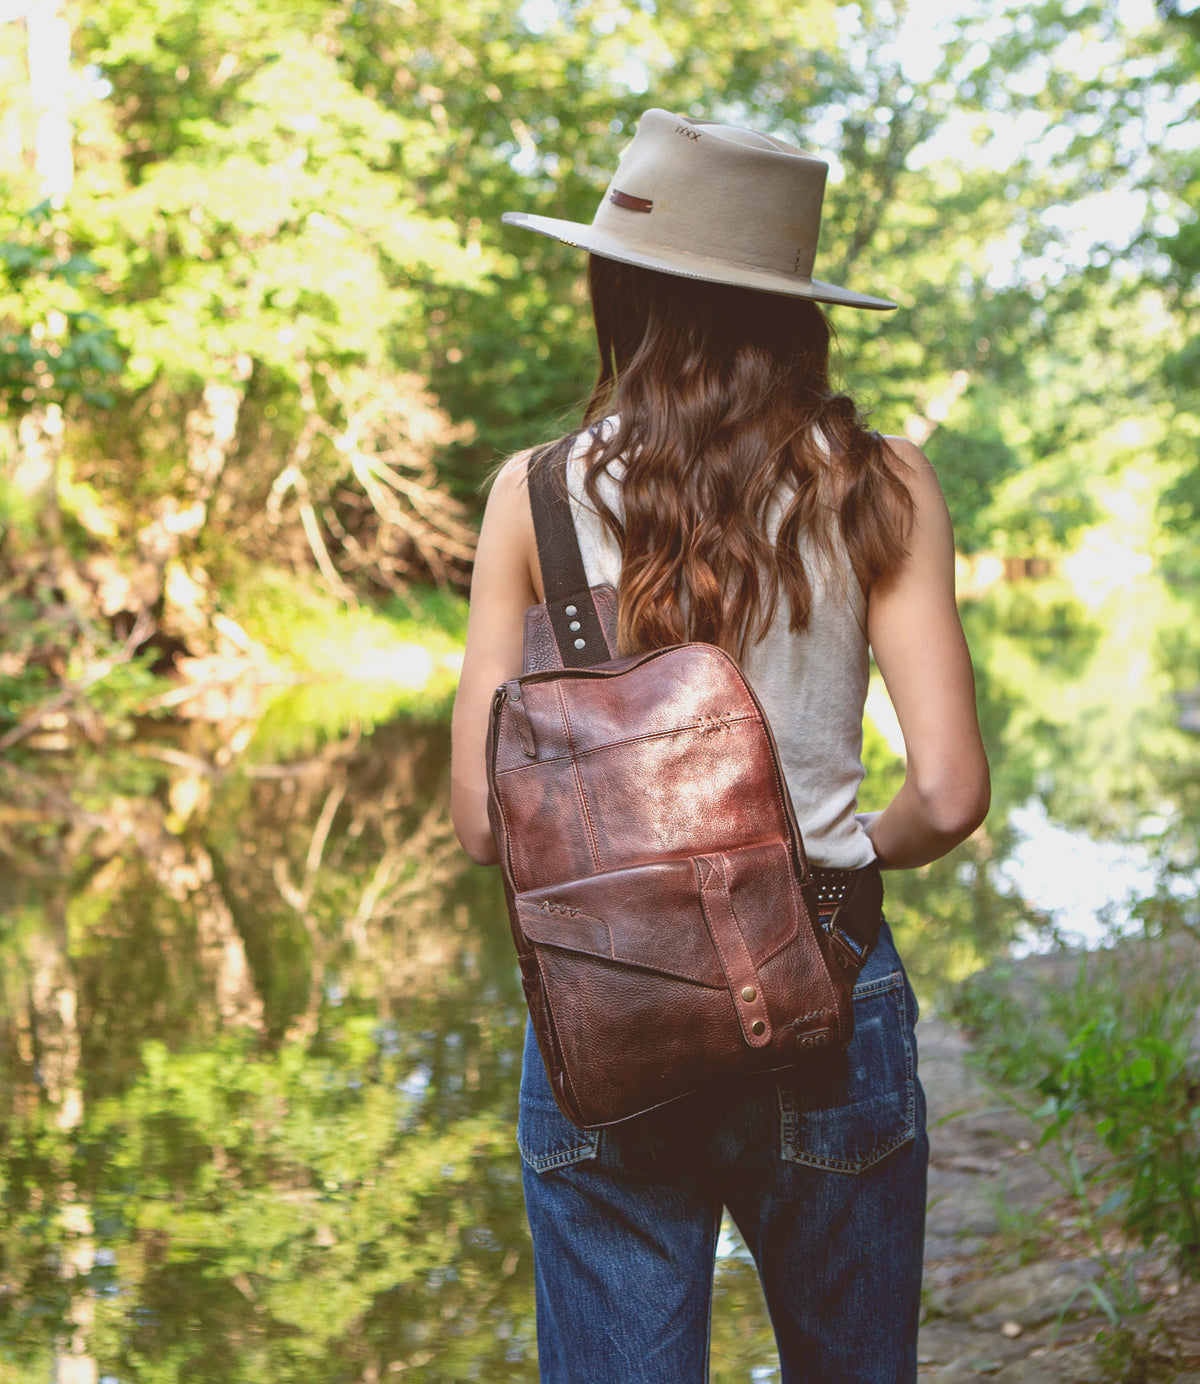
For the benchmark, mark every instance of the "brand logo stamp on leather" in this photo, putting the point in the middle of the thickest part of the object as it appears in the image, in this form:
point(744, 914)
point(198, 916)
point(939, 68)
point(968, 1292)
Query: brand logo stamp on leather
point(687, 130)
point(709, 723)
point(547, 906)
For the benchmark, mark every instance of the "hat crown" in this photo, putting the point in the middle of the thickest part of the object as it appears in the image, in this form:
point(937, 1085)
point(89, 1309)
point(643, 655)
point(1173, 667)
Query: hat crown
point(737, 135)
point(716, 190)
point(710, 201)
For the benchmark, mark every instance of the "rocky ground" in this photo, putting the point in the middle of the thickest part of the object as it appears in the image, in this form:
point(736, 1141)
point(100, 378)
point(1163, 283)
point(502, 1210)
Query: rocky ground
point(1007, 1293)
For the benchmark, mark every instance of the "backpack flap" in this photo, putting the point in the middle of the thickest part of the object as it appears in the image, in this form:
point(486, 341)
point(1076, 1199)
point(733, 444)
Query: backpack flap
point(656, 980)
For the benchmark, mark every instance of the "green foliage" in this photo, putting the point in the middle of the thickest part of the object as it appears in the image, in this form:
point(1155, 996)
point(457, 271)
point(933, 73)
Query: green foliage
point(265, 259)
point(53, 348)
point(1139, 1094)
point(44, 649)
point(972, 460)
point(353, 668)
point(314, 632)
point(1067, 679)
point(1177, 238)
point(1111, 1058)
point(317, 1193)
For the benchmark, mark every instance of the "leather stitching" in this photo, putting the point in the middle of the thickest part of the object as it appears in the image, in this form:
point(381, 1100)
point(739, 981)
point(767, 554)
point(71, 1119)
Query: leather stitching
point(583, 802)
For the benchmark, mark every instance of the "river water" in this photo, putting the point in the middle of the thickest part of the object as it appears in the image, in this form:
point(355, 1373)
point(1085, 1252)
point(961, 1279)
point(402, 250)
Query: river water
point(260, 1022)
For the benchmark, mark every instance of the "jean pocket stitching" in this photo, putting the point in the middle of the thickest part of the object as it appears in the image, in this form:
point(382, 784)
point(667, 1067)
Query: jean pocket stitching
point(852, 1166)
point(790, 1114)
point(588, 1148)
point(893, 980)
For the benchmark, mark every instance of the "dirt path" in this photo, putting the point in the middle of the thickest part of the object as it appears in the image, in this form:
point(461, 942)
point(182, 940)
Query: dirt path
point(988, 1315)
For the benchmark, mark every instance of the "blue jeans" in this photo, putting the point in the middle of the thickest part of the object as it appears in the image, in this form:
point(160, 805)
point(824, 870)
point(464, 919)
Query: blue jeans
point(822, 1169)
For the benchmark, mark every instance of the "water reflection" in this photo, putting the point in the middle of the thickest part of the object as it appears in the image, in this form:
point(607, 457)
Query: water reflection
point(259, 1046)
point(260, 1027)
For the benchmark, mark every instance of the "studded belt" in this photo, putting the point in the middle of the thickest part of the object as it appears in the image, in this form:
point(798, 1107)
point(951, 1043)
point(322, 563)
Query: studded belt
point(849, 905)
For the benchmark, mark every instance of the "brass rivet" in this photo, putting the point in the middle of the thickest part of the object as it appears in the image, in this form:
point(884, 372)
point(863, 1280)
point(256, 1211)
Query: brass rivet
point(580, 644)
point(758, 1027)
point(749, 994)
point(572, 611)
point(575, 625)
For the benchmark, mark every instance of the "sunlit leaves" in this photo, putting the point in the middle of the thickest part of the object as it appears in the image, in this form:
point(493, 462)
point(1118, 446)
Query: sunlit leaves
point(53, 346)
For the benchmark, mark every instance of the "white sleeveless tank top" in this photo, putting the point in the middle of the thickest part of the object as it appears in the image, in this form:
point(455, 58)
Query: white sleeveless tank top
point(812, 686)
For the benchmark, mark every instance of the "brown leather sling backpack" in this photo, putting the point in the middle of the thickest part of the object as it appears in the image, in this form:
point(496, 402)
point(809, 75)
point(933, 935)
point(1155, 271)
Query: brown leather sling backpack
point(660, 897)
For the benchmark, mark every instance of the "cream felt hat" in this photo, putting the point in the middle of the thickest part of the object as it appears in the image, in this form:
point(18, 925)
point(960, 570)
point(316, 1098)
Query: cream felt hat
point(710, 201)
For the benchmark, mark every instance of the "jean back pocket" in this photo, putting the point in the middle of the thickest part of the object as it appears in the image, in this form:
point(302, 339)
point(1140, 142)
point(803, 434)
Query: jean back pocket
point(546, 1139)
point(847, 1113)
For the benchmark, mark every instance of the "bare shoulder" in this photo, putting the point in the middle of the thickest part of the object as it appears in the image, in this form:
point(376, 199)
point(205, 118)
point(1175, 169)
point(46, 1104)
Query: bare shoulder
point(507, 543)
point(907, 459)
point(911, 466)
point(513, 474)
point(508, 498)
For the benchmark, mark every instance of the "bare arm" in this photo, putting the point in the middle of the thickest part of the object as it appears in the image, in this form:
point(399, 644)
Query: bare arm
point(918, 642)
point(505, 582)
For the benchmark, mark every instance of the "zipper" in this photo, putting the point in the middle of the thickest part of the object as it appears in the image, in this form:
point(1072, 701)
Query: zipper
point(602, 670)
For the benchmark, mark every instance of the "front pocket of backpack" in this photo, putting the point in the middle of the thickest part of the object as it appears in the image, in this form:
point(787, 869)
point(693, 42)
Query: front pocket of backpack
point(634, 990)
point(846, 1111)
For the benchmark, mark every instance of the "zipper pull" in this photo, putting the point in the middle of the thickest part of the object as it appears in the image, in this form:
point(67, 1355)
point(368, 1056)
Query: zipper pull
point(521, 718)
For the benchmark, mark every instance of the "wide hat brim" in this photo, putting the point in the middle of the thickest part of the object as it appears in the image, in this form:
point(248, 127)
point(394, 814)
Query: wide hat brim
point(690, 265)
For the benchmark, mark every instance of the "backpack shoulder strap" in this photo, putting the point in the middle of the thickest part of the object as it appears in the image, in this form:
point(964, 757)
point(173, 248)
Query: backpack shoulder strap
point(572, 608)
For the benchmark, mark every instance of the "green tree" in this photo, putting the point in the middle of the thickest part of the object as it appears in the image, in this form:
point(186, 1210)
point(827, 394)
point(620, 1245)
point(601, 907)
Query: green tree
point(1181, 243)
point(330, 336)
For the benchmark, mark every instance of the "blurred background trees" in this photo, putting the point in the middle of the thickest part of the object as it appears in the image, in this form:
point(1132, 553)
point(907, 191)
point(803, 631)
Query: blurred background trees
point(258, 314)
point(262, 337)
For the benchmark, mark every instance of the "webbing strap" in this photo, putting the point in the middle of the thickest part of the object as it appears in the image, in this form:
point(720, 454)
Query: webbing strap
point(573, 616)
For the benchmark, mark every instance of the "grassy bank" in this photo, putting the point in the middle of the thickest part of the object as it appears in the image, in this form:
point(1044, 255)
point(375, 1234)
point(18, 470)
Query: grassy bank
point(269, 659)
point(340, 667)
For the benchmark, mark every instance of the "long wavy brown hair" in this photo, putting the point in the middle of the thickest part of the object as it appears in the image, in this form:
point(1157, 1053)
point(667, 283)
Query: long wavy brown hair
point(726, 420)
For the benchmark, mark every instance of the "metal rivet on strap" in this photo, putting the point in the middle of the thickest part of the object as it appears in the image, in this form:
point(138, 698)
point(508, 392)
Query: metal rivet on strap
point(575, 625)
point(758, 1028)
point(571, 610)
point(581, 644)
point(749, 994)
